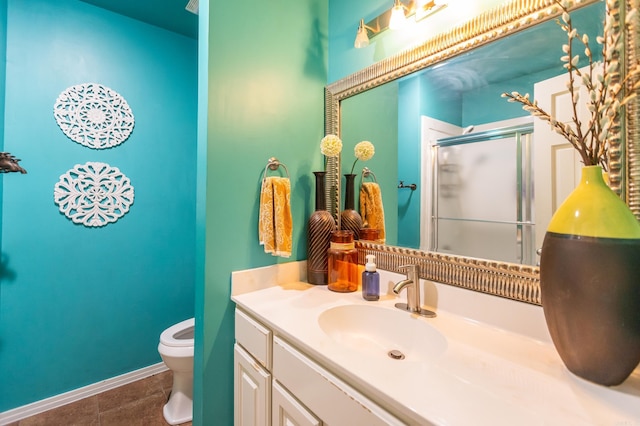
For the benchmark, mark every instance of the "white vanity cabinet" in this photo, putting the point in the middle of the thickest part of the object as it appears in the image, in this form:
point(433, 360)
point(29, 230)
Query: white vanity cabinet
point(252, 380)
point(300, 360)
point(276, 384)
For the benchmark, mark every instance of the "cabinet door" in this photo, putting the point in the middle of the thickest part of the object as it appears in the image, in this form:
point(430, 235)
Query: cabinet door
point(287, 411)
point(330, 398)
point(252, 391)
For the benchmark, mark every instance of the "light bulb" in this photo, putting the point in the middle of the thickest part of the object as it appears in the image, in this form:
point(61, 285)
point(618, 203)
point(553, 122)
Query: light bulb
point(362, 38)
point(398, 18)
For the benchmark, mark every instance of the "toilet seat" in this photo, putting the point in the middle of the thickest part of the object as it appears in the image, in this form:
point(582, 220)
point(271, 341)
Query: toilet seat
point(176, 349)
point(180, 334)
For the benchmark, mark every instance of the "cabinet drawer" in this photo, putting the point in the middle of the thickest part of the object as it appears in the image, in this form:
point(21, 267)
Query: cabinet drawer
point(328, 397)
point(254, 337)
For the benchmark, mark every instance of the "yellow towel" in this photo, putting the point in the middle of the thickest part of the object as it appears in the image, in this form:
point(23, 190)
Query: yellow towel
point(371, 208)
point(274, 223)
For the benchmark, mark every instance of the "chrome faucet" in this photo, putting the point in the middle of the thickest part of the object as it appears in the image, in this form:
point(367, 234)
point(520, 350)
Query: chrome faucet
point(412, 284)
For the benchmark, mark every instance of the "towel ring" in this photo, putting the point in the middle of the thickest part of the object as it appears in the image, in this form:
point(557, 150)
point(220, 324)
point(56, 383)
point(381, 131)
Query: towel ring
point(273, 164)
point(366, 172)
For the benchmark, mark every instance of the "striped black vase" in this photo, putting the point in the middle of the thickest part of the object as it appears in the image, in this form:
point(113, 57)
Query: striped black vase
point(350, 219)
point(320, 226)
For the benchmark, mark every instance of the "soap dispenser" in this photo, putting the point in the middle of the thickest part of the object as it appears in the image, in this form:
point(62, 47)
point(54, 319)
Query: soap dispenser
point(370, 280)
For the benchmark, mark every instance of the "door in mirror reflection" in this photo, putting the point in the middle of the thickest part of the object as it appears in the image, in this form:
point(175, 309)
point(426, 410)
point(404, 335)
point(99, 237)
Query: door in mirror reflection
point(557, 163)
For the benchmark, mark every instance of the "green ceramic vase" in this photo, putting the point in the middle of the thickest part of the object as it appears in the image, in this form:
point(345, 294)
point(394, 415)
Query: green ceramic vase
point(590, 282)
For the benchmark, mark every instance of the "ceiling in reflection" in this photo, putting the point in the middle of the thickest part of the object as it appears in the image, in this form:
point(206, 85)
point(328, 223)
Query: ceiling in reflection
point(168, 14)
point(512, 56)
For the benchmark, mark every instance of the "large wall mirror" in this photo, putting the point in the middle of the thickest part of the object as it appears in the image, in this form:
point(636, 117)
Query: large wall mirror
point(483, 197)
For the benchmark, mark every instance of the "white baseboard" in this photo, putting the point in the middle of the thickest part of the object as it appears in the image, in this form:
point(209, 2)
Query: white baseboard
point(28, 410)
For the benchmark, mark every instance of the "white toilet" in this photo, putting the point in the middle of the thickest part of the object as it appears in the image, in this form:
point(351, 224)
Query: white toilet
point(176, 350)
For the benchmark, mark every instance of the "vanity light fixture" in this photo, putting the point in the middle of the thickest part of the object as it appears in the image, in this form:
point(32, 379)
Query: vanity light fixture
point(426, 8)
point(362, 37)
point(396, 17)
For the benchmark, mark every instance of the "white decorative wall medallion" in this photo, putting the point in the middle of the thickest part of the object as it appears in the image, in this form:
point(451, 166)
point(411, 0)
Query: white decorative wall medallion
point(93, 194)
point(94, 115)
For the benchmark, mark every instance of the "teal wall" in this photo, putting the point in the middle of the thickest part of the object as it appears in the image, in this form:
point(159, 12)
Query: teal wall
point(201, 217)
point(419, 96)
point(3, 56)
point(344, 17)
point(80, 305)
point(410, 105)
point(373, 116)
point(494, 106)
point(267, 69)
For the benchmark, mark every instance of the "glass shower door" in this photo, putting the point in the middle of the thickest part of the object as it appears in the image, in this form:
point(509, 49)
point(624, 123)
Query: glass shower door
point(483, 197)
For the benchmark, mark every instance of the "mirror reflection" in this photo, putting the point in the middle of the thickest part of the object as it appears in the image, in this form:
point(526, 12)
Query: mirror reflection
point(472, 155)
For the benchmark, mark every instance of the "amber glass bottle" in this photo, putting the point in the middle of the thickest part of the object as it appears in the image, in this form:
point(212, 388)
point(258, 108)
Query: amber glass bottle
point(343, 262)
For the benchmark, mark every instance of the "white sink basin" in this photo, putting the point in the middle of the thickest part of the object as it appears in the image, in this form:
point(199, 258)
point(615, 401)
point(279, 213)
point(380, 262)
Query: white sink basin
point(377, 331)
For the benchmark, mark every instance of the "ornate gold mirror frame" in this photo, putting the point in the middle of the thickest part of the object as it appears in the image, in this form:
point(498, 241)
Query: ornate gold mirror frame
point(513, 281)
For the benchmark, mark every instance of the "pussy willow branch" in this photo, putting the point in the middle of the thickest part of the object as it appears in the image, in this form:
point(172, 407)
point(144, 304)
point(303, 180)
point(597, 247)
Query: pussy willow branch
point(571, 61)
point(604, 96)
point(589, 147)
point(564, 130)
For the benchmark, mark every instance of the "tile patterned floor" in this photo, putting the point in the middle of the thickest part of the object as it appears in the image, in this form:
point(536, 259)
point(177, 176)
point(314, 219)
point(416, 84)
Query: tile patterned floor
point(136, 404)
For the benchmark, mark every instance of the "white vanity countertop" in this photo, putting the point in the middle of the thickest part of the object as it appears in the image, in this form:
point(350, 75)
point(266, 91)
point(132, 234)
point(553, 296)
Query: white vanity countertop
point(498, 366)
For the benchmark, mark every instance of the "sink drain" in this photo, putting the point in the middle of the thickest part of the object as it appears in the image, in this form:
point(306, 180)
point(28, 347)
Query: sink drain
point(395, 354)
